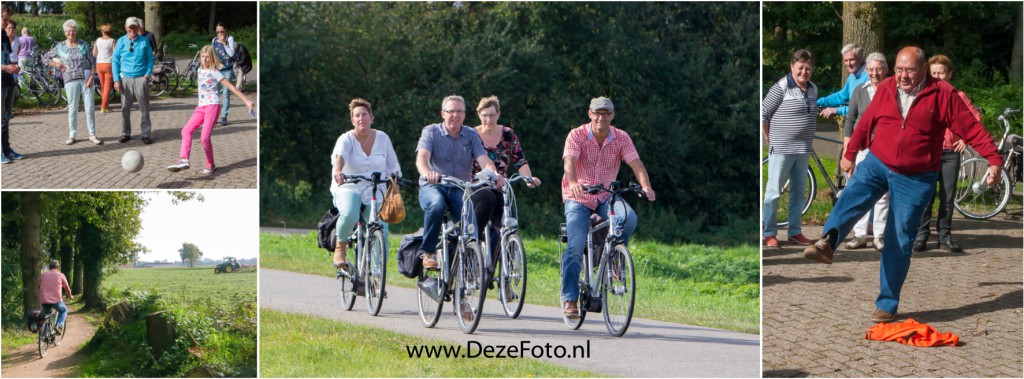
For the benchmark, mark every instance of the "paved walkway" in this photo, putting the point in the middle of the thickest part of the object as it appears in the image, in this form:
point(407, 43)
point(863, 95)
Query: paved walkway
point(815, 315)
point(40, 136)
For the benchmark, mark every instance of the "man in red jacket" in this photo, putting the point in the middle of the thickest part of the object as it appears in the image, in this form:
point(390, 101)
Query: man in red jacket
point(904, 126)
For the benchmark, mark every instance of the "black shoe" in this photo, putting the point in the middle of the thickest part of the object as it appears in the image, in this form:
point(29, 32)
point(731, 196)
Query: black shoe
point(224, 121)
point(951, 246)
point(124, 139)
point(919, 245)
point(147, 140)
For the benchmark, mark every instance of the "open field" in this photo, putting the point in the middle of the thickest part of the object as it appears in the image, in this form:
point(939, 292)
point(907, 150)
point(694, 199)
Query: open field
point(187, 285)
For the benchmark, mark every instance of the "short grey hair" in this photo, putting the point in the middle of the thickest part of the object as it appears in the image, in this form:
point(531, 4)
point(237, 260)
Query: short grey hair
point(71, 23)
point(857, 50)
point(453, 98)
point(876, 56)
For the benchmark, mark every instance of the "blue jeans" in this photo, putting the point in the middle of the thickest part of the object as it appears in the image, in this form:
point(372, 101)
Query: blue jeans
point(782, 167)
point(577, 220)
point(225, 94)
point(435, 199)
point(908, 199)
point(62, 312)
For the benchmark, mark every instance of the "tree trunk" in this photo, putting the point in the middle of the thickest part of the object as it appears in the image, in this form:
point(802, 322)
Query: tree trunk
point(212, 24)
point(92, 20)
point(35, 9)
point(78, 279)
point(863, 24)
point(66, 253)
point(1017, 58)
point(154, 24)
point(93, 265)
point(30, 266)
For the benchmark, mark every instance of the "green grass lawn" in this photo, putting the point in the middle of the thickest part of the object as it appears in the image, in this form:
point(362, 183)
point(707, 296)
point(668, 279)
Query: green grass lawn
point(185, 285)
point(689, 284)
point(340, 349)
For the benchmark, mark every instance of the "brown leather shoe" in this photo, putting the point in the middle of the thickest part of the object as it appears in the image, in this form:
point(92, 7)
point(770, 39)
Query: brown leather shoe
point(339, 256)
point(821, 252)
point(571, 310)
point(429, 262)
point(882, 316)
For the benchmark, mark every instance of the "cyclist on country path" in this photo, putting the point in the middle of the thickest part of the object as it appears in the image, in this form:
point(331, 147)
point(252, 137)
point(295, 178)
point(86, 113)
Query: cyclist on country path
point(51, 283)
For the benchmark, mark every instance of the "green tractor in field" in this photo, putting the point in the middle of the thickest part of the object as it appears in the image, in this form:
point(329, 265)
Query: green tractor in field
point(228, 266)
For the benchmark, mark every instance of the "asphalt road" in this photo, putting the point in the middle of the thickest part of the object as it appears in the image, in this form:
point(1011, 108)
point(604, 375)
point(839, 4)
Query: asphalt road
point(648, 349)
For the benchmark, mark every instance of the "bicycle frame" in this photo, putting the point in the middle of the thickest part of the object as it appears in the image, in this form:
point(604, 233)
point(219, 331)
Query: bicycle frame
point(509, 223)
point(466, 229)
point(614, 238)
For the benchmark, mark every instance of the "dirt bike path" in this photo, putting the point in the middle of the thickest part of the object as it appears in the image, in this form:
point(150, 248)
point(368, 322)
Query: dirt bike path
point(60, 361)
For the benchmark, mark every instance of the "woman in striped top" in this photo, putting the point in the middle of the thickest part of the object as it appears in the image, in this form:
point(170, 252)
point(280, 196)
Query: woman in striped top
point(788, 123)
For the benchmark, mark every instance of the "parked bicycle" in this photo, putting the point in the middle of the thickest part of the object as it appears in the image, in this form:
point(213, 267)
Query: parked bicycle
point(461, 273)
point(836, 183)
point(47, 335)
point(165, 75)
point(367, 276)
point(187, 78)
point(510, 273)
point(41, 81)
point(974, 198)
point(609, 287)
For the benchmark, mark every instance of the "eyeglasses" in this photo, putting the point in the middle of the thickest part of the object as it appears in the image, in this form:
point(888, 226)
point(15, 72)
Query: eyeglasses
point(455, 111)
point(907, 70)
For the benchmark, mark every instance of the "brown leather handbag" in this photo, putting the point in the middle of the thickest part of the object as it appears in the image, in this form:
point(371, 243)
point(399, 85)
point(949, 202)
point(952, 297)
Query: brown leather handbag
point(392, 210)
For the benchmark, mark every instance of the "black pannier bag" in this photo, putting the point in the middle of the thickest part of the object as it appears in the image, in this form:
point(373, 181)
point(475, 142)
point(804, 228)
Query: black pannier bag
point(35, 319)
point(408, 254)
point(325, 236)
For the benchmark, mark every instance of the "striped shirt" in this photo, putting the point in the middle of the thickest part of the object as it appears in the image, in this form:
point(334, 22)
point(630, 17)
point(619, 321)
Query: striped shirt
point(791, 115)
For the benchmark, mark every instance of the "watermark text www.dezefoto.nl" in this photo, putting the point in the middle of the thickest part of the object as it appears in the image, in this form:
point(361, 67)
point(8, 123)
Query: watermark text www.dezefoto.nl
point(474, 349)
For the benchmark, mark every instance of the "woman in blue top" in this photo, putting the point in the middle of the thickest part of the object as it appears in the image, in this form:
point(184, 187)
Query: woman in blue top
point(74, 59)
point(224, 45)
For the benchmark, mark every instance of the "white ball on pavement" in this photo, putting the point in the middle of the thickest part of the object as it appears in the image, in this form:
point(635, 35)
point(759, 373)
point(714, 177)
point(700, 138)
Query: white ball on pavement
point(132, 161)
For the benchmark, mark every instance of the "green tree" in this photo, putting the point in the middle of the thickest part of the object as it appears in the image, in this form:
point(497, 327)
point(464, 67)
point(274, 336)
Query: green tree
point(190, 253)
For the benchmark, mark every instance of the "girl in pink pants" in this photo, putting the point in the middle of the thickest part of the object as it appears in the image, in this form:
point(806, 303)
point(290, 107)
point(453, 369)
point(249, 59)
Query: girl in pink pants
point(207, 110)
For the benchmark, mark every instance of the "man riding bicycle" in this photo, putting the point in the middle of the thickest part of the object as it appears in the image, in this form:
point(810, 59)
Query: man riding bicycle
point(51, 285)
point(593, 153)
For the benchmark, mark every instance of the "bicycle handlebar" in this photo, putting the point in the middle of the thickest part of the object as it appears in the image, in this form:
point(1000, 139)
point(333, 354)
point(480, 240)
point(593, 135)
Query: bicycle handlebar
point(615, 189)
point(464, 184)
point(519, 178)
point(361, 178)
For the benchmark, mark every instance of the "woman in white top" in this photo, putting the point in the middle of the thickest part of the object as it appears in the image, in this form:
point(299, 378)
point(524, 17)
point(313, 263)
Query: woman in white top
point(103, 49)
point(360, 151)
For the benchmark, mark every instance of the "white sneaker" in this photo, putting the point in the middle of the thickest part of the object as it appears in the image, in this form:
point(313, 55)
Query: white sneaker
point(181, 165)
point(879, 243)
point(856, 243)
point(210, 170)
point(95, 141)
point(70, 141)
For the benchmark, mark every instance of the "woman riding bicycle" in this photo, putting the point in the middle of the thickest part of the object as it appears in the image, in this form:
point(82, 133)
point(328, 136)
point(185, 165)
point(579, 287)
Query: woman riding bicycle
point(360, 151)
point(503, 148)
point(51, 285)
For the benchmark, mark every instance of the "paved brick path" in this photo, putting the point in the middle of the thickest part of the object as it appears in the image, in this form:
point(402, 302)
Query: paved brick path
point(40, 135)
point(815, 315)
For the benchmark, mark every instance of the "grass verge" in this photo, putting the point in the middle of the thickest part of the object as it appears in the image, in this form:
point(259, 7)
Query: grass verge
point(689, 284)
point(350, 350)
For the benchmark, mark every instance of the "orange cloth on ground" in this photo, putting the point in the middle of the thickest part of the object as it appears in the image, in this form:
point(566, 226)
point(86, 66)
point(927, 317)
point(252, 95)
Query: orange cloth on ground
point(911, 333)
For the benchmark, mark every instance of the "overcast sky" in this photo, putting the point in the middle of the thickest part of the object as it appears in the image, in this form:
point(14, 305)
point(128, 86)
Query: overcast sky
point(225, 224)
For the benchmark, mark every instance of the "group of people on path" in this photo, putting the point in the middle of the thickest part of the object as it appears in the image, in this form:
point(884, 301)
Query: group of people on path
point(902, 134)
point(592, 155)
point(126, 65)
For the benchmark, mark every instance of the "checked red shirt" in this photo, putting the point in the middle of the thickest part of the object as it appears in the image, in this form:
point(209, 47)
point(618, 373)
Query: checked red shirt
point(596, 164)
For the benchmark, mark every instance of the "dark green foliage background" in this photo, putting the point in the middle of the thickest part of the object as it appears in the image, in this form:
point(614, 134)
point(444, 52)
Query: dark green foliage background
point(683, 77)
point(977, 36)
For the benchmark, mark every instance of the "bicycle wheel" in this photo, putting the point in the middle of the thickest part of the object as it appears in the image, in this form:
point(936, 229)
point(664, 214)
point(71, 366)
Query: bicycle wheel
point(49, 93)
point(188, 78)
point(975, 199)
point(158, 87)
point(24, 84)
point(348, 280)
point(513, 277)
point(44, 342)
point(470, 286)
point(172, 78)
point(810, 189)
point(573, 323)
point(430, 309)
point(619, 292)
point(376, 273)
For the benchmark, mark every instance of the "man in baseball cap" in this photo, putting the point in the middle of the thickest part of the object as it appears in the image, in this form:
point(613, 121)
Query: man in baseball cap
point(593, 153)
